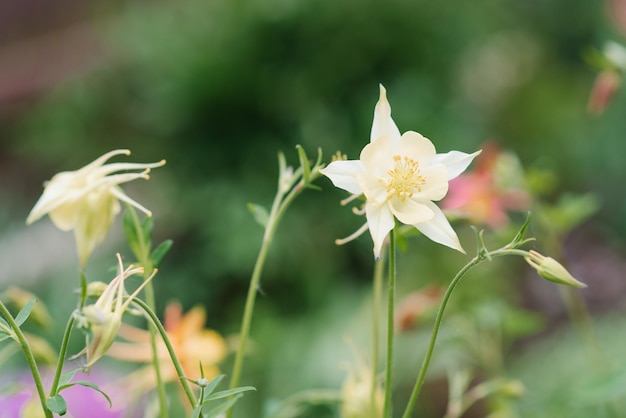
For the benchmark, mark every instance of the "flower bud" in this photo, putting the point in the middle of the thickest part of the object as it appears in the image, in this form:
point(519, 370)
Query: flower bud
point(551, 270)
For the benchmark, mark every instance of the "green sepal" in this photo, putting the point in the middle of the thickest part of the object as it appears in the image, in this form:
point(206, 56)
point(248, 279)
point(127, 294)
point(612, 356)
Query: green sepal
point(160, 252)
point(57, 404)
point(261, 215)
point(24, 313)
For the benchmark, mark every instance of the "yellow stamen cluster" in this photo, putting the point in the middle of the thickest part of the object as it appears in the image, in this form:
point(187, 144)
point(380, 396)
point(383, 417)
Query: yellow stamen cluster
point(404, 179)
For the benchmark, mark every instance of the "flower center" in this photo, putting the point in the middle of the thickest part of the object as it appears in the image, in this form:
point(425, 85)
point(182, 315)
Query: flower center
point(404, 178)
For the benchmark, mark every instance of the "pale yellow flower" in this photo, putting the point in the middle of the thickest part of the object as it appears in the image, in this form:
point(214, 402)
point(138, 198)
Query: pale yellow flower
point(357, 400)
point(400, 176)
point(87, 200)
point(104, 317)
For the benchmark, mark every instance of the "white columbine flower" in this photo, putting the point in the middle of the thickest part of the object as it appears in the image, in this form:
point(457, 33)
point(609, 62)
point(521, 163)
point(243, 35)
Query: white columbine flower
point(87, 200)
point(400, 176)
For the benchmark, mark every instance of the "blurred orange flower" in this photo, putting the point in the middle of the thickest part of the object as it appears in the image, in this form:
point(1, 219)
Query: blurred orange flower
point(193, 344)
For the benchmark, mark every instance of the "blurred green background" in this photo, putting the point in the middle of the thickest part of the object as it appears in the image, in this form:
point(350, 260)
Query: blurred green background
point(219, 87)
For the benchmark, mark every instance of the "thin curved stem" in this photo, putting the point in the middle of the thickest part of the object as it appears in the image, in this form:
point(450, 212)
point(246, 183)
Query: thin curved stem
point(170, 349)
point(444, 302)
point(62, 353)
point(391, 292)
point(30, 358)
point(144, 259)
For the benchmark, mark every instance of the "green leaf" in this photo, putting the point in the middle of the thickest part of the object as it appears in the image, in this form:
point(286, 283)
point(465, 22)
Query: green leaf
point(147, 225)
point(196, 411)
point(305, 164)
point(66, 377)
point(89, 385)
point(4, 335)
point(222, 407)
point(23, 314)
point(130, 230)
point(519, 240)
point(160, 251)
point(57, 404)
point(212, 385)
point(481, 250)
point(261, 216)
point(227, 393)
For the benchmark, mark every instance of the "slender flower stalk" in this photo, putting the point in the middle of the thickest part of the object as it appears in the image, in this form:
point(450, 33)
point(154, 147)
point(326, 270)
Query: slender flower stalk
point(290, 185)
point(391, 295)
point(170, 349)
point(30, 358)
point(486, 255)
point(376, 306)
point(143, 256)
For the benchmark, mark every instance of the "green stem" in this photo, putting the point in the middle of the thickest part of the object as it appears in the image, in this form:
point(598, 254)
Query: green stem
point(62, 353)
point(30, 358)
point(144, 259)
point(279, 206)
point(391, 291)
point(170, 349)
point(377, 293)
point(444, 302)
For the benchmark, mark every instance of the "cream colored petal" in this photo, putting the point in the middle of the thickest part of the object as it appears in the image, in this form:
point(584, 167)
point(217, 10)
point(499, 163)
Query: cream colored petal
point(410, 212)
point(377, 157)
point(113, 167)
point(380, 221)
point(416, 147)
point(383, 125)
point(343, 175)
point(439, 230)
point(373, 189)
point(59, 190)
point(456, 161)
point(436, 186)
point(98, 162)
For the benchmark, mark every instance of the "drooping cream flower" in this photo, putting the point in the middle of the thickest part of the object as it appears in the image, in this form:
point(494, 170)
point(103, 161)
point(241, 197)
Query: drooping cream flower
point(87, 200)
point(103, 318)
point(400, 176)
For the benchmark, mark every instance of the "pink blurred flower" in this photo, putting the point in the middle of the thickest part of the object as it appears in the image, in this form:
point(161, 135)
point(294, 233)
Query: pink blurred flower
point(18, 399)
point(485, 194)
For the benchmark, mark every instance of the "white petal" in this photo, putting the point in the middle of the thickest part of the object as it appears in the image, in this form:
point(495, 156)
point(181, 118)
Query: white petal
point(383, 125)
point(416, 147)
point(456, 161)
point(436, 186)
point(377, 157)
point(373, 189)
point(439, 230)
point(380, 221)
point(343, 175)
point(410, 212)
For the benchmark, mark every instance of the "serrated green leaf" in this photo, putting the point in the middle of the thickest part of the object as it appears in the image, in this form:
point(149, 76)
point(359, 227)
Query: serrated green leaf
point(159, 252)
point(261, 215)
point(24, 313)
point(227, 393)
point(57, 404)
point(89, 385)
point(216, 410)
